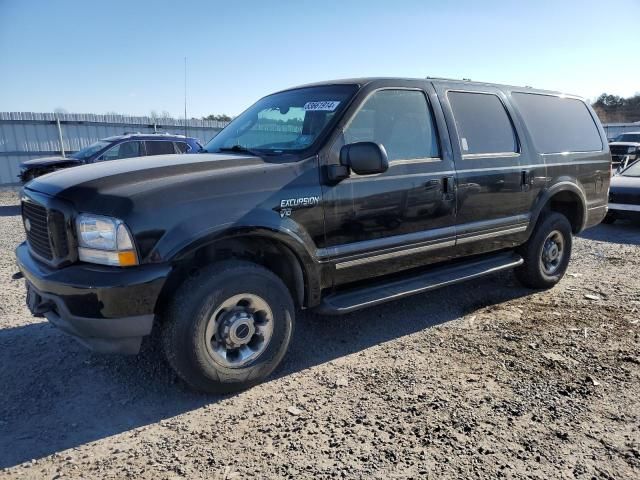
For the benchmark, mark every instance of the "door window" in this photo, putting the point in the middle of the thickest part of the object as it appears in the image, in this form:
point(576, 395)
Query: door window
point(483, 124)
point(122, 150)
point(182, 147)
point(401, 120)
point(159, 147)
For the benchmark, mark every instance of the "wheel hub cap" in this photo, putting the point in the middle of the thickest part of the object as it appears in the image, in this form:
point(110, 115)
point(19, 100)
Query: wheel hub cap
point(552, 252)
point(239, 330)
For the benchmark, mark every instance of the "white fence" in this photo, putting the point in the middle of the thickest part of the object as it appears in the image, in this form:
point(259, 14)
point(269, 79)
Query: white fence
point(26, 135)
point(614, 129)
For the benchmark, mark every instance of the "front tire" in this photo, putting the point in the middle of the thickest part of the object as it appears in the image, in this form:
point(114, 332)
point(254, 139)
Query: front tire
point(546, 254)
point(228, 327)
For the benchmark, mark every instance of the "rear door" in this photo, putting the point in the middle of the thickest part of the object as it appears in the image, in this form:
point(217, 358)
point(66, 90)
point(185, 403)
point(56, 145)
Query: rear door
point(493, 181)
point(404, 217)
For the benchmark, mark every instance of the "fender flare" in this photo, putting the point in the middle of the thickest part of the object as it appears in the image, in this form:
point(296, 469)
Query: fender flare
point(547, 194)
point(288, 239)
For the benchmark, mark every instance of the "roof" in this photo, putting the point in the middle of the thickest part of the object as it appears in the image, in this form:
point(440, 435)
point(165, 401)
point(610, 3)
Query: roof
point(146, 136)
point(361, 81)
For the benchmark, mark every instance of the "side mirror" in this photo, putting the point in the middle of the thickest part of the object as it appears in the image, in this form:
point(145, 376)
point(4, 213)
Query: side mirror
point(365, 158)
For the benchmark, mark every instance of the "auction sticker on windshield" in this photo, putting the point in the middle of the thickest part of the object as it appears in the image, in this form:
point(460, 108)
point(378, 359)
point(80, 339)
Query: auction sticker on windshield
point(326, 105)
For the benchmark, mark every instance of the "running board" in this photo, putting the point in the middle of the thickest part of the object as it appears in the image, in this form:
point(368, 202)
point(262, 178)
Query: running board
point(368, 296)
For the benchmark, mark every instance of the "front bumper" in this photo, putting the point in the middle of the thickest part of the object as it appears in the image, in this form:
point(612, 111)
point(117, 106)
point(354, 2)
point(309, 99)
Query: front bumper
point(108, 309)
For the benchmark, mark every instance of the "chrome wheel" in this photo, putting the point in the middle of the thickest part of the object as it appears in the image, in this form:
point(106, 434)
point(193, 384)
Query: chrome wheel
point(553, 250)
point(239, 330)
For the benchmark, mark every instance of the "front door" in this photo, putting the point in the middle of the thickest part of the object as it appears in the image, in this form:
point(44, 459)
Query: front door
point(404, 217)
point(493, 181)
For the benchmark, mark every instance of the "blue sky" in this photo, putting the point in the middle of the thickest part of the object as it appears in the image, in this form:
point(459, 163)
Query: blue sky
point(127, 56)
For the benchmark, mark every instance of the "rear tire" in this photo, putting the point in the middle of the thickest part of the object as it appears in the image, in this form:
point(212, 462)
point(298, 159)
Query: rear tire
point(547, 252)
point(228, 327)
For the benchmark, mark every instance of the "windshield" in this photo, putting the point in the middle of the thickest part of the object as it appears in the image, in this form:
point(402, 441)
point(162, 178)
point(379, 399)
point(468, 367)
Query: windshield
point(628, 137)
point(285, 122)
point(87, 152)
point(632, 171)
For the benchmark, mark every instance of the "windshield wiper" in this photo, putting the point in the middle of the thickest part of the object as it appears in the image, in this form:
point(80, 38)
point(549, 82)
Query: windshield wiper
point(240, 148)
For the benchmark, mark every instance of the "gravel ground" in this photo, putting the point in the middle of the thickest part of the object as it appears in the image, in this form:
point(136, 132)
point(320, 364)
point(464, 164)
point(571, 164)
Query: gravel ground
point(484, 379)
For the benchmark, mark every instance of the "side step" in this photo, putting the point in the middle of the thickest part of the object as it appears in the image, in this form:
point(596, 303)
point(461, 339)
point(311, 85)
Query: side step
point(368, 296)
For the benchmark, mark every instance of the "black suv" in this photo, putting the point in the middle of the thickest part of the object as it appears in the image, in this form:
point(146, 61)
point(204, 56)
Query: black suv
point(112, 148)
point(334, 196)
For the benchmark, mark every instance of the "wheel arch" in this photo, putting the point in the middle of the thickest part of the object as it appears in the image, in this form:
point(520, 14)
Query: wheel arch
point(566, 198)
point(277, 251)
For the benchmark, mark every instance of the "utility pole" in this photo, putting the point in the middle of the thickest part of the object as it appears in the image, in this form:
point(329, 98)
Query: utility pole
point(185, 96)
point(60, 136)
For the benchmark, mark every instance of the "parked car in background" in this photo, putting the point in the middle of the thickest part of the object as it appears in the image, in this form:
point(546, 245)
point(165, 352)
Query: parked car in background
point(112, 148)
point(624, 194)
point(625, 149)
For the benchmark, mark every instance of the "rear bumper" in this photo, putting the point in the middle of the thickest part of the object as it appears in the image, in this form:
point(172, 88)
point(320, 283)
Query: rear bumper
point(108, 309)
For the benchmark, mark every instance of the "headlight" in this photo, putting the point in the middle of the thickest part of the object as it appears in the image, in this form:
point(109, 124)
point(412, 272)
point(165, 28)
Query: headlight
point(632, 150)
point(105, 240)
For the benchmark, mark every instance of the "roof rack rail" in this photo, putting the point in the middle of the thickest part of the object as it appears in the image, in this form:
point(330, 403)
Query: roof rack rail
point(452, 79)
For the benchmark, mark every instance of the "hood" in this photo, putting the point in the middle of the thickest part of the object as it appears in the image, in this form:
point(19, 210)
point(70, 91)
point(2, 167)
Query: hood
point(624, 144)
point(40, 162)
point(170, 201)
point(115, 186)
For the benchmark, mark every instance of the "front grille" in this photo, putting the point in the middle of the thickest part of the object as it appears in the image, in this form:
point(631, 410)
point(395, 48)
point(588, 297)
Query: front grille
point(46, 232)
point(36, 226)
point(58, 233)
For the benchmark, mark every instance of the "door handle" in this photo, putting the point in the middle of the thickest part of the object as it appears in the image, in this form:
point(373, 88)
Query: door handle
point(432, 184)
point(526, 180)
point(448, 188)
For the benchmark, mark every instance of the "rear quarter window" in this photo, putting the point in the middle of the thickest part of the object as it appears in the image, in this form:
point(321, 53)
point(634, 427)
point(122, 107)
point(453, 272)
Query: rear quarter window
point(558, 124)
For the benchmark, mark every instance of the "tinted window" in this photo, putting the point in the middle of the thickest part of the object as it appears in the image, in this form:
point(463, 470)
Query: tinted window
point(122, 150)
point(483, 123)
point(158, 147)
point(182, 147)
point(558, 124)
point(398, 119)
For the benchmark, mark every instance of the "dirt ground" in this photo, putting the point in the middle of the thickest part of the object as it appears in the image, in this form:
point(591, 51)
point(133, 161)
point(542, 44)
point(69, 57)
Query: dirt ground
point(480, 380)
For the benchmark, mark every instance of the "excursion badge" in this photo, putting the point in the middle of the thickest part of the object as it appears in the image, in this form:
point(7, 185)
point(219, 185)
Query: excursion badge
point(288, 205)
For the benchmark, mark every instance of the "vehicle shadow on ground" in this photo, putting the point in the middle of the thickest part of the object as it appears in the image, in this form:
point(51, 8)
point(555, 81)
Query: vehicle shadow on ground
point(55, 395)
point(9, 210)
point(622, 231)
